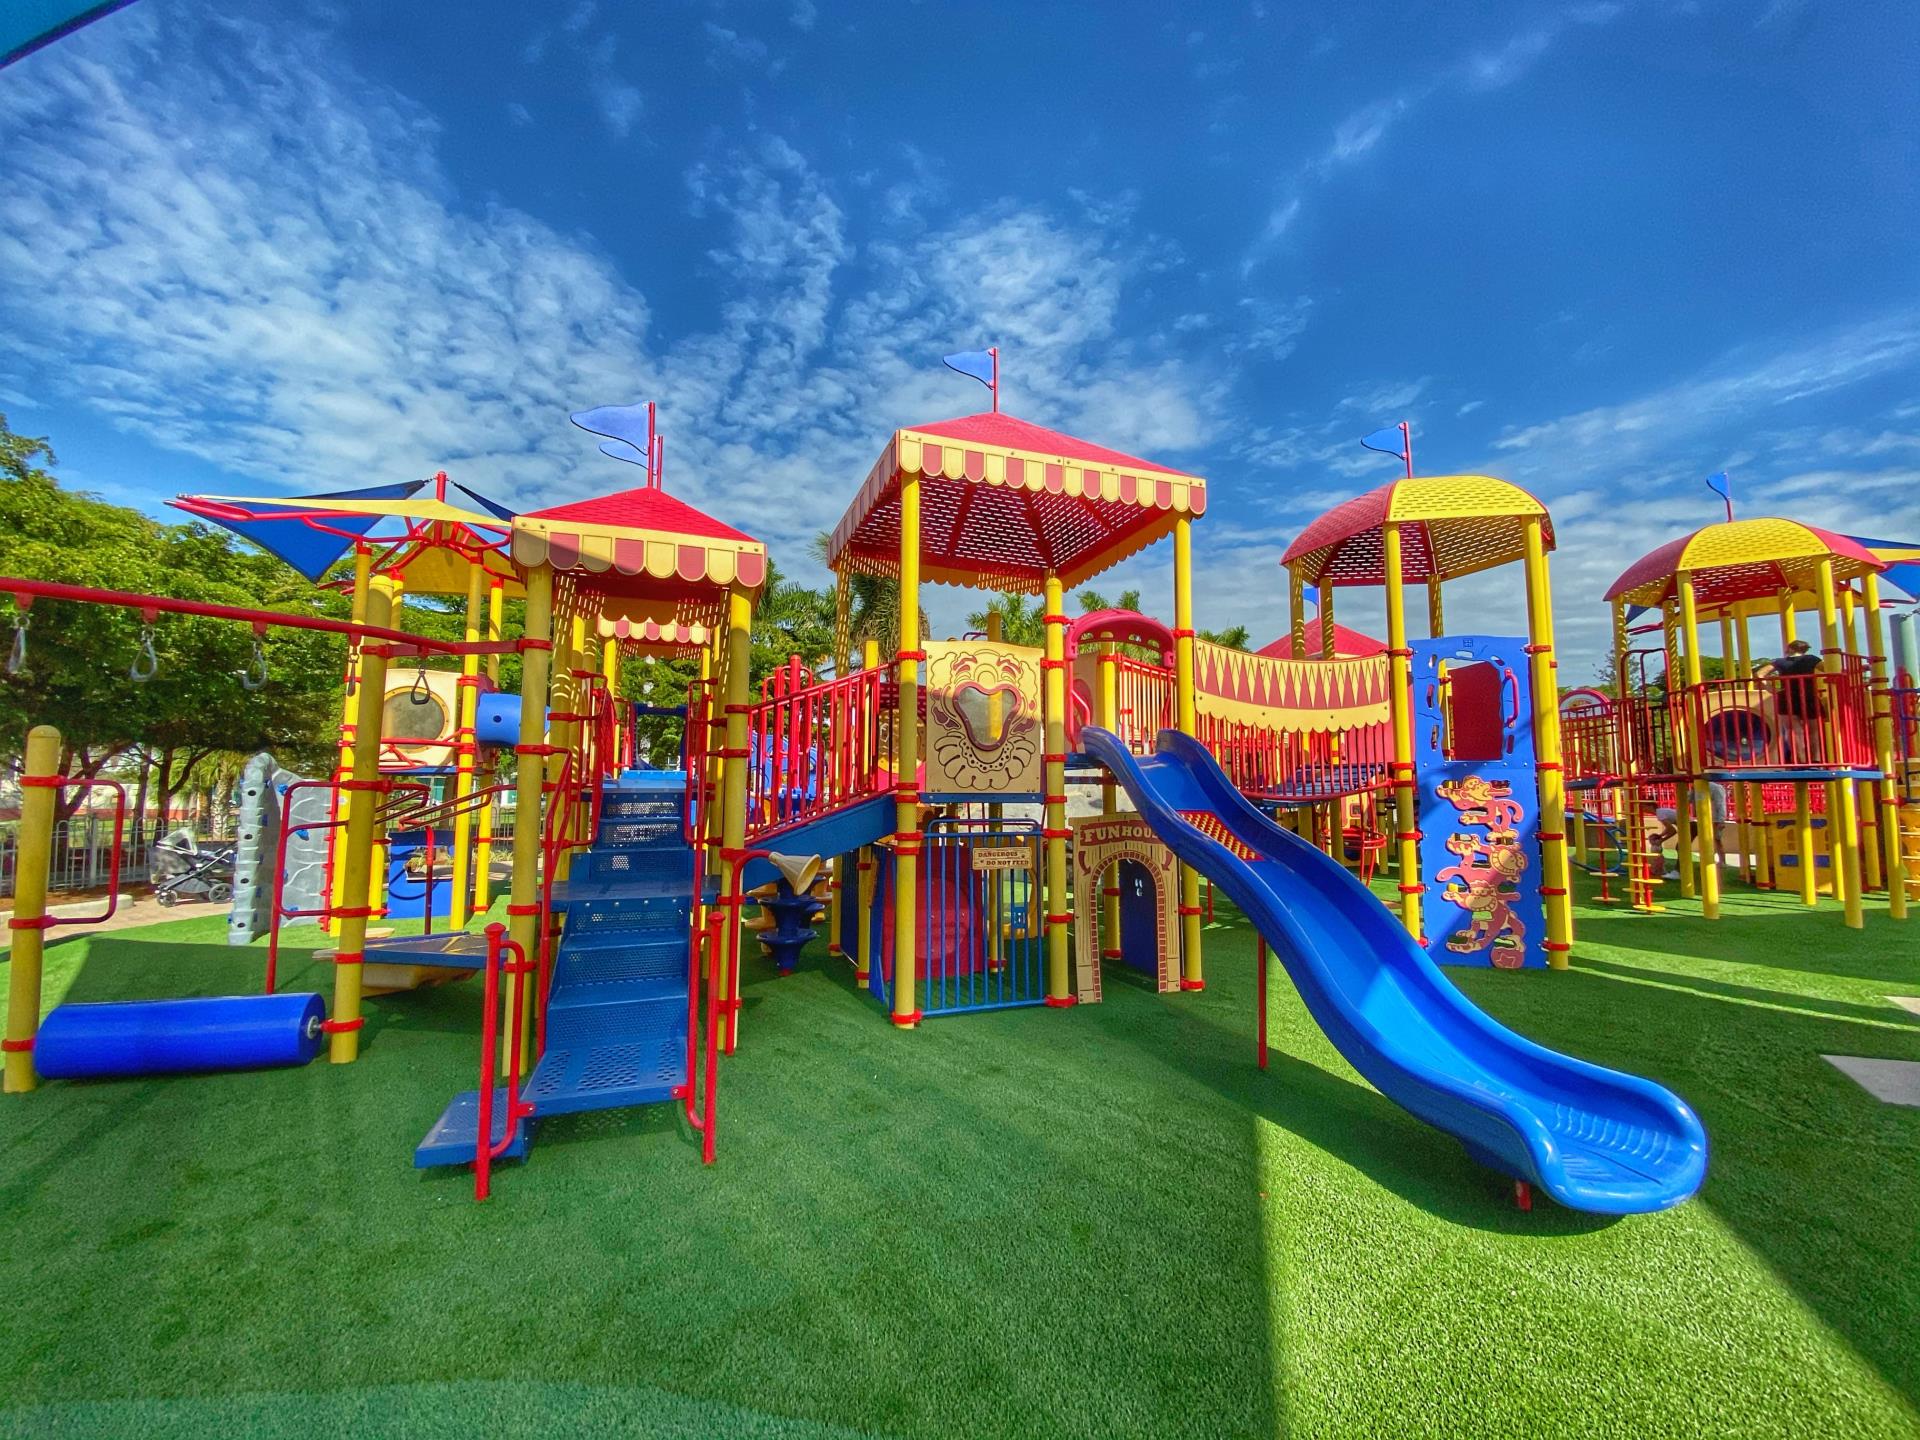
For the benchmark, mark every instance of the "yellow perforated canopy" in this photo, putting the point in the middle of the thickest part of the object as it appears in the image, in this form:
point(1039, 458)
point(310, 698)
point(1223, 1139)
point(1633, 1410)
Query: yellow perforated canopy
point(1742, 560)
point(1450, 525)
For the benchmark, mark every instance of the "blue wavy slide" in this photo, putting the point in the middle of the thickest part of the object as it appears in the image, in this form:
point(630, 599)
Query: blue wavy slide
point(1593, 1139)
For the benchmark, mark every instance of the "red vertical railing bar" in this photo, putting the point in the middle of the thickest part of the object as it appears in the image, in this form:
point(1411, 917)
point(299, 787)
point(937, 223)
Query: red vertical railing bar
point(485, 1151)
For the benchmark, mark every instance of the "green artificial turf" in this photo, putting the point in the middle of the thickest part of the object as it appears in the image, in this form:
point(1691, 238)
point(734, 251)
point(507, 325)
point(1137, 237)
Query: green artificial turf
point(1032, 1223)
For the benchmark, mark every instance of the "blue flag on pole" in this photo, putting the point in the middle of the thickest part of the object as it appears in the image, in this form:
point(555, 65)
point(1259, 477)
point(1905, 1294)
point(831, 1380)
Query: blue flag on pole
point(1390, 441)
point(977, 363)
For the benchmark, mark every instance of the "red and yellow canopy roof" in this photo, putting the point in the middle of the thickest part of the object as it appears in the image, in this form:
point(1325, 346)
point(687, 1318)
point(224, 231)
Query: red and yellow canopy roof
point(1743, 560)
point(1004, 503)
point(1450, 525)
point(640, 545)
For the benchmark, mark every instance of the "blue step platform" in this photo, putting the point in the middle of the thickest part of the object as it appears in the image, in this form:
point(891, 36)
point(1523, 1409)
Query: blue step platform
point(617, 1007)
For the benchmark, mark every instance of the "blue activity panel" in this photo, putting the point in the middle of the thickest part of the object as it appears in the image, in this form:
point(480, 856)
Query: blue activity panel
point(1478, 801)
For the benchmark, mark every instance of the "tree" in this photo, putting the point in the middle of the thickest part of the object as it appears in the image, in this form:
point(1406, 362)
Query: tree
point(1234, 637)
point(873, 604)
point(1092, 601)
point(79, 657)
point(1021, 619)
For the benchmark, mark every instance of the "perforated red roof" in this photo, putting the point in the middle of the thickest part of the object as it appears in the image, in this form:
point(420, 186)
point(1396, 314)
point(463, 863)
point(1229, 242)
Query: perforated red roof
point(1004, 503)
point(641, 509)
point(1346, 642)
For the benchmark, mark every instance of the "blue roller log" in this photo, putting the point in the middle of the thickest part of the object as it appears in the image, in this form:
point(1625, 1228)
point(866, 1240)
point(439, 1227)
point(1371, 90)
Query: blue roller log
point(167, 1037)
point(496, 719)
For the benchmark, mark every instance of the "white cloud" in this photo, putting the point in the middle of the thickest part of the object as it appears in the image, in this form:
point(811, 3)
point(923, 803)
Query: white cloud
point(1469, 408)
point(803, 15)
point(341, 316)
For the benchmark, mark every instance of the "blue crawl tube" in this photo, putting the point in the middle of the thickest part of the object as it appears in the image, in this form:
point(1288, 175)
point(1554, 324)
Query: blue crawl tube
point(167, 1037)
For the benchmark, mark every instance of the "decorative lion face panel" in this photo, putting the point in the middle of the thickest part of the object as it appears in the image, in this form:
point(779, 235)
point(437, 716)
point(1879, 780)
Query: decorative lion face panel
point(983, 718)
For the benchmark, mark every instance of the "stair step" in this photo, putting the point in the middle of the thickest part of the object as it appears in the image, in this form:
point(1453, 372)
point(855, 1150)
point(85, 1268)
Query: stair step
point(585, 994)
point(451, 1140)
point(607, 1056)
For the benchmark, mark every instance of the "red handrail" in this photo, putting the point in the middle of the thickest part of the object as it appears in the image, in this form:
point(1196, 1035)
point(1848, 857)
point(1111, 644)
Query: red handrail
point(1817, 722)
point(61, 782)
point(485, 1152)
point(814, 749)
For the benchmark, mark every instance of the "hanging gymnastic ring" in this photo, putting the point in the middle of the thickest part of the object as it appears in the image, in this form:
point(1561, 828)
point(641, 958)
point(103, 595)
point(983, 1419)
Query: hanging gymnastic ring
point(420, 694)
point(146, 663)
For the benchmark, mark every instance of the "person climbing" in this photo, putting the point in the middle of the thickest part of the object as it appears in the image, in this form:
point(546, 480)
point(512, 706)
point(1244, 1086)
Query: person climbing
point(1797, 698)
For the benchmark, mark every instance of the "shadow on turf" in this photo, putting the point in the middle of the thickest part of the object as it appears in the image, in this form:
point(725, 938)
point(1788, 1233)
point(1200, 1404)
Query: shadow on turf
point(1769, 928)
point(1811, 1173)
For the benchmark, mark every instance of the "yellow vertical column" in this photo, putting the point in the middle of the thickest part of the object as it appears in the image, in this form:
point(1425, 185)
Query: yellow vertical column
point(1110, 804)
point(1864, 807)
point(1406, 819)
point(906, 748)
point(1887, 791)
point(864, 881)
point(1053, 695)
point(358, 899)
point(349, 718)
point(1192, 973)
point(1843, 820)
point(1297, 612)
point(464, 756)
point(483, 822)
point(1802, 797)
point(530, 775)
point(1682, 751)
point(733, 787)
point(1709, 836)
point(1556, 877)
point(27, 936)
point(1327, 646)
point(1436, 609)
point(579, 701)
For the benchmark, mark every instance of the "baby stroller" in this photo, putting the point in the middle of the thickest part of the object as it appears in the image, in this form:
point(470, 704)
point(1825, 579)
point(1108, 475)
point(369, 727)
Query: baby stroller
point(184, 869)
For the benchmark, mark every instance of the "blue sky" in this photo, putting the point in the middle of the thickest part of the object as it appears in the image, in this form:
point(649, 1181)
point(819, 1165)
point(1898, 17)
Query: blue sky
point(1599, 248)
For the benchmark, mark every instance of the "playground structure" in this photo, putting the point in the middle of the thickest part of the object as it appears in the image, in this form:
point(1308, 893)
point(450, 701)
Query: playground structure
point(1473, 762)
point(899, 795)
point(1817, 768)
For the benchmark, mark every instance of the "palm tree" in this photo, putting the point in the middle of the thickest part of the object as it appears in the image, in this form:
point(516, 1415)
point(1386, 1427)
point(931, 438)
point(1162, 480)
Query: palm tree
point(1092, 601)
point(1020, 619)
point(873, 607)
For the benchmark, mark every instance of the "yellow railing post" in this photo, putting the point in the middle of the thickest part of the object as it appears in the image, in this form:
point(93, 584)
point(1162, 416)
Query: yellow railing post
point(1843, 818)
point(483, 823)
point(1556, 878)
point(1888, 787)
point(906, 749)
point(358, 899)
point(1436, 609)
point(349, 719)
point(1192, 971)
point(1110, 804)
point(865, 877)
point(1406, 817)
point(39, 801)
point(530, 777)
point(1053, 691)
point(733, 786)
point(463, 758)
point(1708, 823)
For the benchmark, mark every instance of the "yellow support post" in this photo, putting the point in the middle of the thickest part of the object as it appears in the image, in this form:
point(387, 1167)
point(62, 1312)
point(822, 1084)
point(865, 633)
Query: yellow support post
point(1750, 820)
point(1683, 754)
point(866, 881)
point(483, 822)
point(1327, 645)
point(530, 776)
point(1110, 804)
point(1192, 973)
point(610, 687)
point(1709, 836)
point(1297, 612)
point(1843, 821)
point(1888, 787)
point(463, 758)
point(39, 802)
point(1053, 694)
point(733, 786)
point(343, 1046)
point(1802, 798)
point(906, 747)
point(1436, 609)
point(1406, 819)
point(349, 719)
point(1556, 878)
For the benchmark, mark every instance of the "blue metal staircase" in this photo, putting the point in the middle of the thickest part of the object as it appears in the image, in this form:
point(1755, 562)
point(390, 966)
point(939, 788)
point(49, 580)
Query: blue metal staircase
point(617, 1007)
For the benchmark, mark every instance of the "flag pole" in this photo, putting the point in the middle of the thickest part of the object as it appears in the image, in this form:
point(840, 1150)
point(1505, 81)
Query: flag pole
point(1406, 447)
point(994, 352)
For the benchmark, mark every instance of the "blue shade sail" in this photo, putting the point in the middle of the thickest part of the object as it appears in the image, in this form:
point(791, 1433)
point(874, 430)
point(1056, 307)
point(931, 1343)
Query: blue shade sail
point(26, 25)
point(312, 552)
